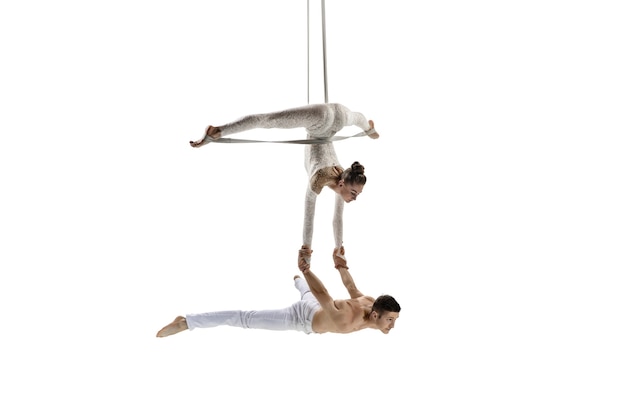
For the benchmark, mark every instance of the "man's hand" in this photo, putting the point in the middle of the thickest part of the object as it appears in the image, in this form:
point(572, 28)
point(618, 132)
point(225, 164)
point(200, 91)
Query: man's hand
point(304, 258)
point(339, 258)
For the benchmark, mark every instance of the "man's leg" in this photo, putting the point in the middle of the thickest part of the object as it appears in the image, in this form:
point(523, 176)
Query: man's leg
point(303, 287)
point(282, 319)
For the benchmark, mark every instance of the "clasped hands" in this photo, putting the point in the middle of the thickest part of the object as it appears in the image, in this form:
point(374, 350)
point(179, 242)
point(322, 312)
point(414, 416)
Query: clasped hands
point(304, 258)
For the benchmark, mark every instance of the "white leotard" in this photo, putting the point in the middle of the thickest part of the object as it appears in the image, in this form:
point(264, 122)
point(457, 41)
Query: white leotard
point(320, 121)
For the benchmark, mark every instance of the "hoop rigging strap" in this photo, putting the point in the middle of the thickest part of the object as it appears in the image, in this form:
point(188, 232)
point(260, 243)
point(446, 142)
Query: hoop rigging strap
point(308, 50)
point(311, 141)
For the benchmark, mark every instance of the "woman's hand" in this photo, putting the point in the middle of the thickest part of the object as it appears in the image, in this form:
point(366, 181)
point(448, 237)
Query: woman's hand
point(304, 258)
point(339, 258)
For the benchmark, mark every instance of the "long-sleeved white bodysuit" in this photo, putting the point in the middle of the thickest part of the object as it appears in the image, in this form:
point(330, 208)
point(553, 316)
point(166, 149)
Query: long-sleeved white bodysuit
point(320, 121)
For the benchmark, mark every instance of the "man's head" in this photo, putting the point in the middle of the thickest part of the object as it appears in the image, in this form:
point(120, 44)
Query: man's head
point(385, 311)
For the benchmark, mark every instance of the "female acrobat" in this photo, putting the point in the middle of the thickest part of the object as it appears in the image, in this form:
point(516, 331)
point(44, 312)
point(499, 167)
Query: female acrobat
point(320, 159)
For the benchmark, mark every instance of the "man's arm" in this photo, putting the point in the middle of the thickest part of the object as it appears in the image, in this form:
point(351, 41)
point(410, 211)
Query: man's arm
point(342, 266)
point(315, 284)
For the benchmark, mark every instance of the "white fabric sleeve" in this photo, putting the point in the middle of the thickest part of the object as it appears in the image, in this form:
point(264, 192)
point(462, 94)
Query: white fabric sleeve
point(309, 216)
point(338, 221)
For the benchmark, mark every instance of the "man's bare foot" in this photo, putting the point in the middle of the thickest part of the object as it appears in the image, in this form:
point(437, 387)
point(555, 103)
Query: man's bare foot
point(178, 325)
point(372, 133)
point(212, 133)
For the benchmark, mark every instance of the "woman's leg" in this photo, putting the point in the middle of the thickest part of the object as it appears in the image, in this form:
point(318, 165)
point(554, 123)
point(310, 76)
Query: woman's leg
point(309, 117)
point(320, 120)
point(306, 116)
point(352, 118)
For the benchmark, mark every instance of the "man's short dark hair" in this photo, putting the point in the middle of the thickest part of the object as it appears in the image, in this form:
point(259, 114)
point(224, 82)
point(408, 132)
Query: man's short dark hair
point(386, 303)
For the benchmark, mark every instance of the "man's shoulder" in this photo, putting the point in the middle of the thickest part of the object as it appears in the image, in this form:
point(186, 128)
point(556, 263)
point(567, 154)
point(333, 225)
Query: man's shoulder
point(366, 299)
point(362, 300)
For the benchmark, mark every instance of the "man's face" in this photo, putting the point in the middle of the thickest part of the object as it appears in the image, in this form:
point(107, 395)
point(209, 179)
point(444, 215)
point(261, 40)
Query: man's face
point(387, 321)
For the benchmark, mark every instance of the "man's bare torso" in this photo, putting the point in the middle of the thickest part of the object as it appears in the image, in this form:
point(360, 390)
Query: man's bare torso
point(351, 315)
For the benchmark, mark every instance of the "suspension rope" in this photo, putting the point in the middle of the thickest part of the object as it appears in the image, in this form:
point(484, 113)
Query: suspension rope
point(308, 50)
point(312, 140)
point(308, 54)
point(324, 50)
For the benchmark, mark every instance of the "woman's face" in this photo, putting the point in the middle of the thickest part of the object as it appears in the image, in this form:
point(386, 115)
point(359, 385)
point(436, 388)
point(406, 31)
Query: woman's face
point(349, 192)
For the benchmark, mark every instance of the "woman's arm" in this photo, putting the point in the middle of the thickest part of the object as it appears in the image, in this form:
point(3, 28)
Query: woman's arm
point(309, 217)
point(338, 221)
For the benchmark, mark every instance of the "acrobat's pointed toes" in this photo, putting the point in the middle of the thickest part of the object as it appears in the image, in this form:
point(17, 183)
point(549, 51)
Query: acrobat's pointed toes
point(372, 133)
point(178, 325)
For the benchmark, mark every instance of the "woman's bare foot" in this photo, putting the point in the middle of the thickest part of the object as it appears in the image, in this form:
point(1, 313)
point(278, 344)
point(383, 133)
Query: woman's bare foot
point(198, 143)
point(372, 133)
point(212, 133)
point(178, 325)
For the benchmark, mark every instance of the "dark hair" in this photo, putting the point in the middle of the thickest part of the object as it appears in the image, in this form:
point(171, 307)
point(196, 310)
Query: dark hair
point(386, 303)
point(355, 174)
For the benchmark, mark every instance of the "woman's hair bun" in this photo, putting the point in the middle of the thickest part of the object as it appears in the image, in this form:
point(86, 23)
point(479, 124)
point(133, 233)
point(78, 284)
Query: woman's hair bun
point(357, 168)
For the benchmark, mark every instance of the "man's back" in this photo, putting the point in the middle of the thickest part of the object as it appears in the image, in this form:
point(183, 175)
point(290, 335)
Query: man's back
point(347, 316)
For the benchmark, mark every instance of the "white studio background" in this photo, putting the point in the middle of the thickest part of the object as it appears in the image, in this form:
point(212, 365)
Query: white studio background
point(494, 209)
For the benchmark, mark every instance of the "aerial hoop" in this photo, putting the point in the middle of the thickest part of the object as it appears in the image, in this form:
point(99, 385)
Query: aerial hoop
point(311, 141)
point(208, 139)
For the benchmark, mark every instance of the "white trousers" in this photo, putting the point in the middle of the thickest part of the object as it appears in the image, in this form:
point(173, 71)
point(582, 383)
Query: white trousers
point(298, 316)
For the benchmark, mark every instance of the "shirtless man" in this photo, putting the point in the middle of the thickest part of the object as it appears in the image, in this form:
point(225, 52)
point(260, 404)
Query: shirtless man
point(316, 312)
